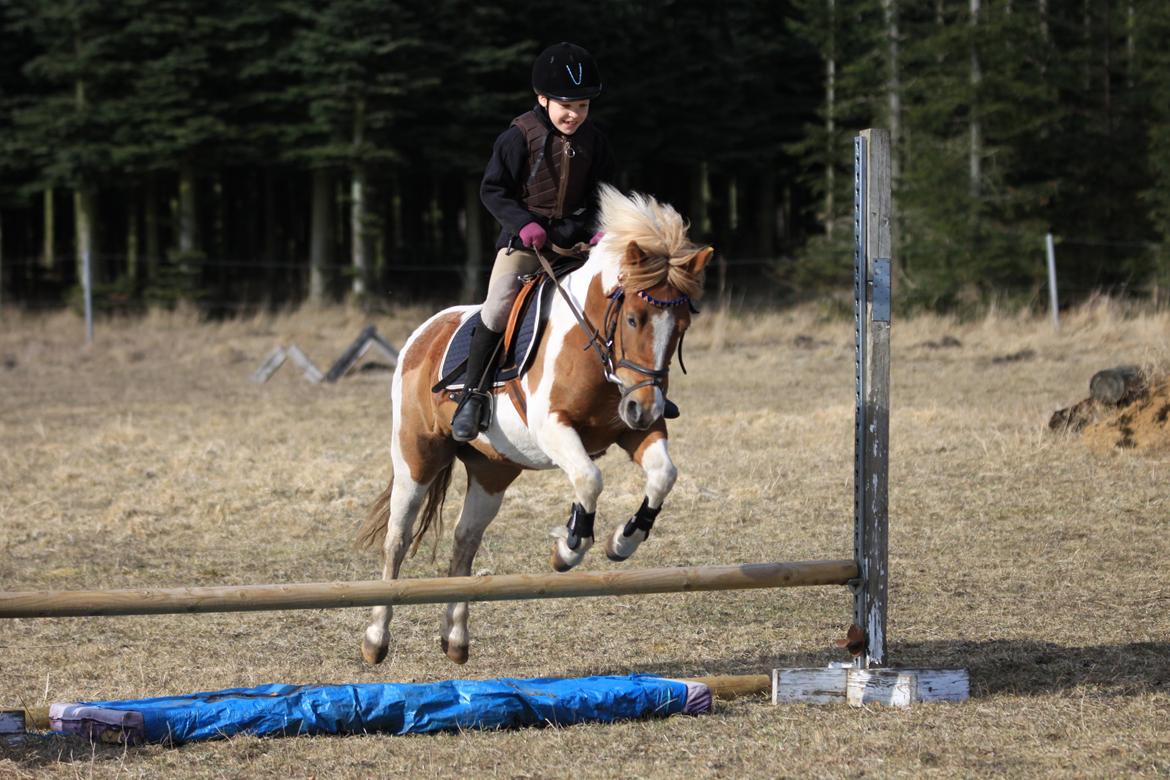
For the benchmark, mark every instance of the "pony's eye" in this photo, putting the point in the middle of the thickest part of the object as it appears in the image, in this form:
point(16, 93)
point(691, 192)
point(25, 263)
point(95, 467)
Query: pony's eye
point(633, 323)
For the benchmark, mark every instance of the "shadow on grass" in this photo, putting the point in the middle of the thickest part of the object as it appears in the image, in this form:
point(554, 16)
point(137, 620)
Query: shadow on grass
point(997, 667)
point(1004, 666)
point(1031, 668)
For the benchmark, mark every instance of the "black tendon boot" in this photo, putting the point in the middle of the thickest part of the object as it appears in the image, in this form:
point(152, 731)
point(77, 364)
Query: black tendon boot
point(481, 371)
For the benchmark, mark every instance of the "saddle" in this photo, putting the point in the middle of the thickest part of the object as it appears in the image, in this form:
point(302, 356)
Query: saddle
point(521, 336)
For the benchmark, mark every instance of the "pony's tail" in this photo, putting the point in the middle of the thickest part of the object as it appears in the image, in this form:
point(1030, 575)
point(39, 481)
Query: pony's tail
point(373, 531)
point(433, 510)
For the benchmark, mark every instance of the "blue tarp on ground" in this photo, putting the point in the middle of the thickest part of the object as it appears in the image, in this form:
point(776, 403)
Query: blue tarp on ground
point(398, 708)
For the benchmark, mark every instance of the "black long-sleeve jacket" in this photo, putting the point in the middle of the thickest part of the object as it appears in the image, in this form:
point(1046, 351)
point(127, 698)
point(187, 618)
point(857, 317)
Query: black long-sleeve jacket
point(503, 185)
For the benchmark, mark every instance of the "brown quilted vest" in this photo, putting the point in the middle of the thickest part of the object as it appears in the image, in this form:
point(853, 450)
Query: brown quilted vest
point(557, 172)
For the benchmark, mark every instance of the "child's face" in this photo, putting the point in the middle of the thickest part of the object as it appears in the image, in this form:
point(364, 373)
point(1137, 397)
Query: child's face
point(566, 117)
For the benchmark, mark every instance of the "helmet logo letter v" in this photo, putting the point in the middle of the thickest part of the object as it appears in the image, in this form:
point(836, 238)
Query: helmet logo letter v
point(580, 74)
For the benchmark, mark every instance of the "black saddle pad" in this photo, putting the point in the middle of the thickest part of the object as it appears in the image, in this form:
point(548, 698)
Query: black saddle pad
point(523, 349)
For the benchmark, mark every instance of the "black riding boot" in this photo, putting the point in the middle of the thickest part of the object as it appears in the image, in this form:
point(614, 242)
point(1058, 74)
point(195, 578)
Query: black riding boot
point(469, 417)
point(670, 410)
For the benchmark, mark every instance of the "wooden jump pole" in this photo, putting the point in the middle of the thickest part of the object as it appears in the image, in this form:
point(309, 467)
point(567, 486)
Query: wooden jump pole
point(435, 590)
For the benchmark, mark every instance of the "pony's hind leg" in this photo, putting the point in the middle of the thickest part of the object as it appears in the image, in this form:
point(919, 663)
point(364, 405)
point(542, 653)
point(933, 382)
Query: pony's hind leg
point(406, 500)
point(649, 450)
point(486, 484)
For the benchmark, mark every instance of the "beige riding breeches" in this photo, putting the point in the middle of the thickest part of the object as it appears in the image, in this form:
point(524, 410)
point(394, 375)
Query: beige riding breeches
point(504, 285)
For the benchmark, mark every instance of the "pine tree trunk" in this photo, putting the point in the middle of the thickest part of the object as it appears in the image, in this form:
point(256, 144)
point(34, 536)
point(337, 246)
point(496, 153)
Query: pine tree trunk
point(321, 238)
point(766, 213)
point(153, 236)
point(893, 86)
point(396, 238)
point(1, 261)
point(473, 240)
point(49, 247)
point(270, 252)
point(359, 250)
point(700, 202)
point(831, 121)
point(187, 216)
point(976, 128)
point(83, 222)
point(132, 257)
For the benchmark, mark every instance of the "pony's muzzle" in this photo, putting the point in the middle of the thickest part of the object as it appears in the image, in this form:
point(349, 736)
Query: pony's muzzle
point(640, 409)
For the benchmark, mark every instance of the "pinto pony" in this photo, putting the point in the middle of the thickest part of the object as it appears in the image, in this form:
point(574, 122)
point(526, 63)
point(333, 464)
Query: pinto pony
point(635, 290)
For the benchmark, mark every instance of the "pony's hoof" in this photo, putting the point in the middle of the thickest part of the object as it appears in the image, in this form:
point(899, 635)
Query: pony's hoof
point(563, 558)
point(374, 653)
point(620, 547)
point(457, 653)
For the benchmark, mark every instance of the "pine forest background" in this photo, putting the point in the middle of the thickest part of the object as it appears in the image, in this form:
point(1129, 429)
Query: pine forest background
point(240, 155)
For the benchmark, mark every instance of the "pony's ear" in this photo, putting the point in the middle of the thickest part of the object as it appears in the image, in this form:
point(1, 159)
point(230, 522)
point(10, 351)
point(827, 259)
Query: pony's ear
point(634, 254)
point(700, 259)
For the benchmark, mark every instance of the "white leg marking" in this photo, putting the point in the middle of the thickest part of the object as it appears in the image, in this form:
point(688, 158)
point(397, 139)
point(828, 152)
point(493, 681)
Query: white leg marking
point(406, 499)
point(564, 446)
point(660, 476)
point(660, 472)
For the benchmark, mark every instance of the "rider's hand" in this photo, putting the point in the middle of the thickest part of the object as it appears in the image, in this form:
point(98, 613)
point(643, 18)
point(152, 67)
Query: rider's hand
point(533, 235)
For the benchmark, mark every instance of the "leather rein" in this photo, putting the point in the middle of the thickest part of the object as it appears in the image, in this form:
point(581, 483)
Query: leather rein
point(604, 345)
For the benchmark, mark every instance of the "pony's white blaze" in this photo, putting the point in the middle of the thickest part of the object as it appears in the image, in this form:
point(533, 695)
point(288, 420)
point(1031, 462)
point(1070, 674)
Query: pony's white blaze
point(663, 325)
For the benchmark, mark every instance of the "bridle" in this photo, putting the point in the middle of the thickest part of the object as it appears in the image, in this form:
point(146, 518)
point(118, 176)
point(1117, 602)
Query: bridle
point(604, 345)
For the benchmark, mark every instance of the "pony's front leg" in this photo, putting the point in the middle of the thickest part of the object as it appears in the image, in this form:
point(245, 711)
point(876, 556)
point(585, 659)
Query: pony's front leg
point(648, 449)
point(561, 443)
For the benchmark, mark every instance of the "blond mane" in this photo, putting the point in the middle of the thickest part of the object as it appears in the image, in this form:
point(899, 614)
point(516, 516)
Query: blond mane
point(659, 231)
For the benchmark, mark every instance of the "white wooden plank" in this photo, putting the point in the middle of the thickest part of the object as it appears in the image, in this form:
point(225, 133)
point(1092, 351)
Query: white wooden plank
point(274, 361)
point(860, 687)
point(887, 687)
point(312, 373)
point(808, 686)
point(943, 684)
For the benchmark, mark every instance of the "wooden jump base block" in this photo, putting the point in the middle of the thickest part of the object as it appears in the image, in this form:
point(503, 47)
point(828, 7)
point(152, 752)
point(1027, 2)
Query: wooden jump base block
point(435, 590)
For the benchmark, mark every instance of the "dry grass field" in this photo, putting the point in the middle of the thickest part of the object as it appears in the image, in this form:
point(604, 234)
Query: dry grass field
point(1031, 558)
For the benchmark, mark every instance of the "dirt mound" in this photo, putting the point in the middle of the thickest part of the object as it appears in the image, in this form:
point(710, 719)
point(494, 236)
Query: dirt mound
point(1143, 424)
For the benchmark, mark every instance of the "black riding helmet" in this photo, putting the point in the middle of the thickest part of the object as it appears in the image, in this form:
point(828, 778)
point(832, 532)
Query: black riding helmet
point(566, 72)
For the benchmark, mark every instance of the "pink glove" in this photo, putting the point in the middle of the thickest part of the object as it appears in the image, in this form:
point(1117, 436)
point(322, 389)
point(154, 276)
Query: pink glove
point(533, 235)
point(600, 234)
